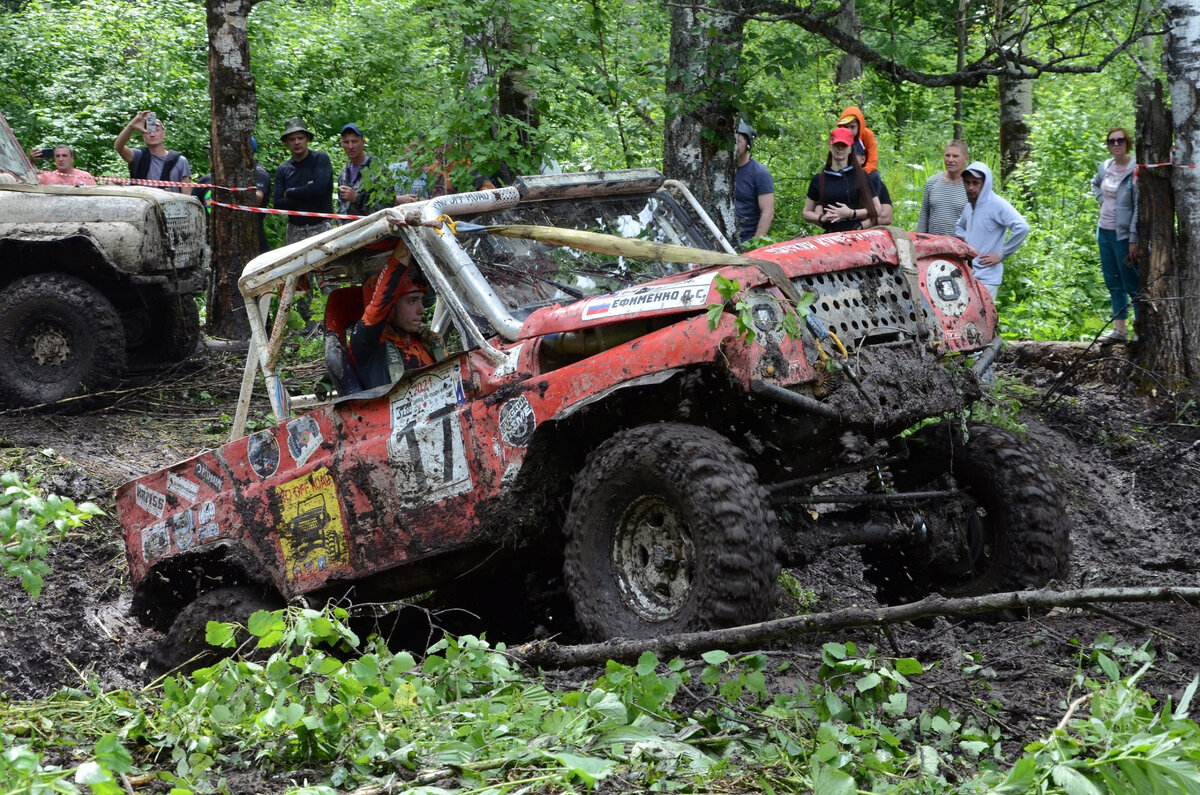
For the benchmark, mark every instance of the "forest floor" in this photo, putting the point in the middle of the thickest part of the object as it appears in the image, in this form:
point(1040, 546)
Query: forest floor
point(1128, 462)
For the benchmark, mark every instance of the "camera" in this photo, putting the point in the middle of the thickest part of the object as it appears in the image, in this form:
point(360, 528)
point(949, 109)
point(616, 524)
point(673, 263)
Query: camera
point(41, 154)
point(152, 122)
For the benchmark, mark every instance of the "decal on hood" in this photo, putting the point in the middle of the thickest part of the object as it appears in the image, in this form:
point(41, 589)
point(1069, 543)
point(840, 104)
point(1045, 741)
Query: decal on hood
point(650, 298)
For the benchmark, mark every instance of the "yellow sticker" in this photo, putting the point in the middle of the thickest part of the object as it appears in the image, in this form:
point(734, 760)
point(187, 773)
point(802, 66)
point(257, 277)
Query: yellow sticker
point(311, 530)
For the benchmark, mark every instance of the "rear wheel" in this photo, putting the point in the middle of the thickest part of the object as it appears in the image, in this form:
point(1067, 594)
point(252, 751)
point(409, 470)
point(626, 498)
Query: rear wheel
point(1010, 534)
point(669, 531)
point(185, 647)
point(59, 338)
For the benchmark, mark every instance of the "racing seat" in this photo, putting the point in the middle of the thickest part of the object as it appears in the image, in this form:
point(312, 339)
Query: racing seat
point(343, 308)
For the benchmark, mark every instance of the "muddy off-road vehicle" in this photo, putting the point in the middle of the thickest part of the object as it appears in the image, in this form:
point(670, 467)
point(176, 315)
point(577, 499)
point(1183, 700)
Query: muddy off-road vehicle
point(91, 279)
point(607, 428)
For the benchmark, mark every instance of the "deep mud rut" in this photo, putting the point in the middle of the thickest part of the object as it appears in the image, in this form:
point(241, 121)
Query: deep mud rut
point(1129, 467)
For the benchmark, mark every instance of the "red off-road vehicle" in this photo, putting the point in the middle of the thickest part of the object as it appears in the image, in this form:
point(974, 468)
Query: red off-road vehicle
point(597, 433)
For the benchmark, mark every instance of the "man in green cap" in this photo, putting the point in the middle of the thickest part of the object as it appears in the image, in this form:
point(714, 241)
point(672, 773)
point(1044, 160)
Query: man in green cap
point(305, 182)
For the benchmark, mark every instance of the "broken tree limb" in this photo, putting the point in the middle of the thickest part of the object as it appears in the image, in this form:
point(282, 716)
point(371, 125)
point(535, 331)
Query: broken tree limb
point(548, 654)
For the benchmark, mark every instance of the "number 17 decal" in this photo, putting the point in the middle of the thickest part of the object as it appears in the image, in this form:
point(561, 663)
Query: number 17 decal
point(429, 461)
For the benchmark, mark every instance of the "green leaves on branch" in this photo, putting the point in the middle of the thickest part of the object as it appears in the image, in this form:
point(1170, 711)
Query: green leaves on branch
point(775, 313)
point(28, 523)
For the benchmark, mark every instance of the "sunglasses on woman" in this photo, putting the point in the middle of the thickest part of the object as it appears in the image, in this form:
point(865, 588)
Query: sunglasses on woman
point(1115, 141)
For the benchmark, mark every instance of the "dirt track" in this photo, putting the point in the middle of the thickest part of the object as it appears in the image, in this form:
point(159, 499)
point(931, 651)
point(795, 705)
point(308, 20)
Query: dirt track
point(1128, 465)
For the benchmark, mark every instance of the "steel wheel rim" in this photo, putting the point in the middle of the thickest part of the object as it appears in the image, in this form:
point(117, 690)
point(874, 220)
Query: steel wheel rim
point(653, 557)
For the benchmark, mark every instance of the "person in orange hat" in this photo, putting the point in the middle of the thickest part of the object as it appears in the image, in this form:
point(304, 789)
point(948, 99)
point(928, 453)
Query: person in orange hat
point(852, 119)
point(391, 339)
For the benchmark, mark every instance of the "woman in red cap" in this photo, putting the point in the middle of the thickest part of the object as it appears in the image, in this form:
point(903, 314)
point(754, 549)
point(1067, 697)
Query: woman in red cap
point(839, 198)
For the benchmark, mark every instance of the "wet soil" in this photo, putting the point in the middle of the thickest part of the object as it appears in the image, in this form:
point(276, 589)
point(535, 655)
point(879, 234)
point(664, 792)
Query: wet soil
point(1128, 465)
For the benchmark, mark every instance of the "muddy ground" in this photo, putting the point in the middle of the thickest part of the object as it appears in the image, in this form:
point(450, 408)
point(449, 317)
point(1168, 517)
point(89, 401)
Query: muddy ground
point(1128, 463)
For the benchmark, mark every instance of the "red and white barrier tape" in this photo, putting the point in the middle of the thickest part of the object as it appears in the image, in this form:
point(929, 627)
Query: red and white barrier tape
point(162, 183)
point(273, 211)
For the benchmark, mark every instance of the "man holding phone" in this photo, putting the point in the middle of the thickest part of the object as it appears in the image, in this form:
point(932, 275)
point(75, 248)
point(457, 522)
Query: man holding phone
point(154, 160)
point(64, 172)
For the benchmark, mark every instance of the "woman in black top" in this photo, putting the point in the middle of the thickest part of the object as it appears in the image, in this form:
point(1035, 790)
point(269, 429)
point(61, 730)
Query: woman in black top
point(839, 198)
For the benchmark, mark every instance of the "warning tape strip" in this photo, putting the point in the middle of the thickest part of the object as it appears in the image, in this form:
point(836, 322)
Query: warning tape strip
point(273, 211)
point(162, 183)
point(1164, 165)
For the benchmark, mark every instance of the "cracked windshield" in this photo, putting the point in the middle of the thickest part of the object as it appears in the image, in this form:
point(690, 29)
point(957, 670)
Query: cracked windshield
point(527, 274)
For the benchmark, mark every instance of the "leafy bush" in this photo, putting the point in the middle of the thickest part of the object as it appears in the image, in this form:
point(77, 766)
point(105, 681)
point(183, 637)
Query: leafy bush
point(28, 522)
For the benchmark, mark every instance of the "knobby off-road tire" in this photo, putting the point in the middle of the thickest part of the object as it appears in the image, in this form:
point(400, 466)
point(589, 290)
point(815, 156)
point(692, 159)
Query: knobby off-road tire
point(176, 328)
point(669, 531)
point(185, 647)
point(59, 338)
point(1016, 531)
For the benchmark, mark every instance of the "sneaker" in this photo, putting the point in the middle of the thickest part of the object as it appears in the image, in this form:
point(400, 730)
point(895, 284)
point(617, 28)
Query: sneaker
point(1111, 336)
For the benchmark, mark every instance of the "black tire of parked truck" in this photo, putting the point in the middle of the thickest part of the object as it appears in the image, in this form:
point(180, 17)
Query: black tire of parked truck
point(669, 531)
point(1014, 534)
point(176, 328)
point(59, 338)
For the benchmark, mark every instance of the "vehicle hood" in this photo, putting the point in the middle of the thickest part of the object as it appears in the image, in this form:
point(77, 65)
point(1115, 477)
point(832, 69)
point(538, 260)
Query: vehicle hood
point(693, 291)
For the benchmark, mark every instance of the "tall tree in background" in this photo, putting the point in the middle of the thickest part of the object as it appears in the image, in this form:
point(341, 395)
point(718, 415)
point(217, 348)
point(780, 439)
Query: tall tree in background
point(706, 45)
point(234, 111)
point(1183, 72)
point(849, 67)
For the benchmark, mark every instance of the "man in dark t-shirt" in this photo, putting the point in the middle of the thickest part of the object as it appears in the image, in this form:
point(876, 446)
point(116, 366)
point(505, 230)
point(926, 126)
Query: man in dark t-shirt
point(753, 189)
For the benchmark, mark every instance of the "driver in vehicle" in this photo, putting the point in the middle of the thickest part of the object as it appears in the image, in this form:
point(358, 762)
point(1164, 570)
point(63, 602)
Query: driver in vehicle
point(390, 338)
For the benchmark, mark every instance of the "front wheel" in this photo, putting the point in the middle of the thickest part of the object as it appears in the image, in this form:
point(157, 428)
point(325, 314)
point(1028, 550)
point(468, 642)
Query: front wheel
point(186, 648)
point(1010, 534)
point(59, 338)
point(669, 531)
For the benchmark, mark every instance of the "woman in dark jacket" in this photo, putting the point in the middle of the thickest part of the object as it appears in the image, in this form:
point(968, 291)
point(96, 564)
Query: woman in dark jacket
point(839, 198)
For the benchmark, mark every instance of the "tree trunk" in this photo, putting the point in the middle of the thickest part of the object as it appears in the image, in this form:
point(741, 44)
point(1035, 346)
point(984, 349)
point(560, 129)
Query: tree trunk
point(706, 46)
point(1016, 106)
point(234, 111)
point(1183, 71)
point(961, 61)
point(850, 67)
point(1160, 327)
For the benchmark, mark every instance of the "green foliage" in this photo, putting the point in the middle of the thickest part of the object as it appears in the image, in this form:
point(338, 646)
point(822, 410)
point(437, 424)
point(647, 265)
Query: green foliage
point(28, 524)
point(791, 317)
point(353, 714)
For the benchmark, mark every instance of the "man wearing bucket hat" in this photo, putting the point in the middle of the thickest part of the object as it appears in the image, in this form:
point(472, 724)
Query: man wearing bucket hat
point(391, 337)
point(305, 183)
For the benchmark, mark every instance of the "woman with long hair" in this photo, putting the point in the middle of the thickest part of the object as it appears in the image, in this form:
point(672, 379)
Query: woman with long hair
point(839, 198)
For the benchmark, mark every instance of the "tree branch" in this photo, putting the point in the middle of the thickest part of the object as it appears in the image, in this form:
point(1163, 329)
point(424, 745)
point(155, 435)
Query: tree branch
point(548, 654)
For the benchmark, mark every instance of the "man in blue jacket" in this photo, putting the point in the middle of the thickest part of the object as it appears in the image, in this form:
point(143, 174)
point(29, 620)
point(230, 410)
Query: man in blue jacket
point(303, 183)
point(990, 225)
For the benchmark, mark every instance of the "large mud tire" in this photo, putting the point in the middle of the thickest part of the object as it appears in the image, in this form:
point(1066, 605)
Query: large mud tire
point(669, 531)
point(59, 338)
point(176, 327)
point(1016, 529)
point(185, 647)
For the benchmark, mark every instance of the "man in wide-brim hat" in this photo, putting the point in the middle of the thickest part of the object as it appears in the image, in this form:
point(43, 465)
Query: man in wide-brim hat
point(305, 182)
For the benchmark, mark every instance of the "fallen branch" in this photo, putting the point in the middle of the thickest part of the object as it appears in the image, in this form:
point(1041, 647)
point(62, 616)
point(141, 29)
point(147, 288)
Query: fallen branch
point(548, 654)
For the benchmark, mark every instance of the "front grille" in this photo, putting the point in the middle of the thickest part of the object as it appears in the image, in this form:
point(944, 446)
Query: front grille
point(864, 305)
point(187, 236)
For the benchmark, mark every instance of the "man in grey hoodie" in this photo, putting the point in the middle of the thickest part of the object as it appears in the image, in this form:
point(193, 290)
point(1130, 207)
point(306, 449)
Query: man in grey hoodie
point(990, 225)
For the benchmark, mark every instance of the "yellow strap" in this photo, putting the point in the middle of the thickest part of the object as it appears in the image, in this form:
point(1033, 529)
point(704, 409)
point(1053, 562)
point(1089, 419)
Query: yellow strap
point(445, 221)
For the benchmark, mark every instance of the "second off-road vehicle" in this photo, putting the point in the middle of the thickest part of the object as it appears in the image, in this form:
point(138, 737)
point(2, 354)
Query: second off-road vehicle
point(635, 416)
point(91, 279)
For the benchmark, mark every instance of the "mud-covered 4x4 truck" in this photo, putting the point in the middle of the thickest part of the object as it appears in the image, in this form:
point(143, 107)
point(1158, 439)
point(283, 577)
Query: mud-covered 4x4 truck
point(91, 279)
point(607, 426)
